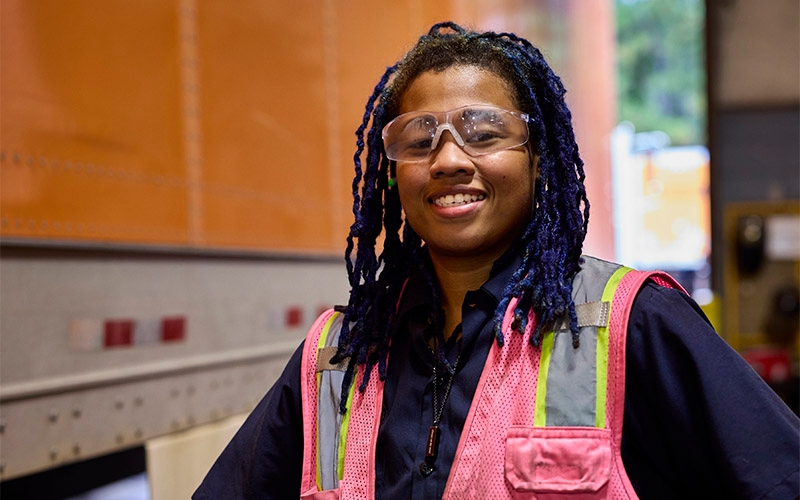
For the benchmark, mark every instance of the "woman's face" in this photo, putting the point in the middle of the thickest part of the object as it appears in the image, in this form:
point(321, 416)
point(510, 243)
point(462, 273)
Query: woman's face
point(464, 206)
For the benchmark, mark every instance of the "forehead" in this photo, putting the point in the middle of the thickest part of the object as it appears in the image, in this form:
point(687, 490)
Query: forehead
point(455, 87)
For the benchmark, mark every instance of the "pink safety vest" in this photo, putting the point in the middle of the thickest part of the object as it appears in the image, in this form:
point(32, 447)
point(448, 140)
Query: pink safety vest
point(525, 436)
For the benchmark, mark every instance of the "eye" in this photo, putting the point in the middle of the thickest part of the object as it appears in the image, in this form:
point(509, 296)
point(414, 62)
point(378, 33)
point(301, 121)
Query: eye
point(420, 144)
point(418, 133)
point(482, 127)
point(484, 134)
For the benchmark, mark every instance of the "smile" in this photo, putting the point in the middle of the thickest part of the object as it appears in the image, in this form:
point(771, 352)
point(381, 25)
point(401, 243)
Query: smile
point(453, 200)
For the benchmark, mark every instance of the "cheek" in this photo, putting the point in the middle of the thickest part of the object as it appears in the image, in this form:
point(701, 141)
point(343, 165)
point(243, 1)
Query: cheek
point(523, 187)
point(519, 179)
point(409, 181)
point(403, 195)
point(408, 195)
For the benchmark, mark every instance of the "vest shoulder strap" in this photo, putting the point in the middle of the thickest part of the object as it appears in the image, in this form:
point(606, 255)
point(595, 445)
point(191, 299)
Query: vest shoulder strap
point(321, 417)
point(571, 381)
point(332, 463)
point(603, 293)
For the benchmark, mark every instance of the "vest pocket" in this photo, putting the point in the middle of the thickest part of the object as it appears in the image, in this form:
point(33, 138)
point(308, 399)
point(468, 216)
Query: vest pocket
point(558, 459)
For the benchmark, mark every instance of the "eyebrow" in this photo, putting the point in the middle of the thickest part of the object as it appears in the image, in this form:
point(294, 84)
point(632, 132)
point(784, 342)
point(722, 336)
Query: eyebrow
point(479, 112)
point(420, 121)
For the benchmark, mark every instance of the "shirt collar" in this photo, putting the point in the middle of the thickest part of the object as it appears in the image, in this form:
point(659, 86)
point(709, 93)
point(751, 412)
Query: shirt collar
point(417, 290)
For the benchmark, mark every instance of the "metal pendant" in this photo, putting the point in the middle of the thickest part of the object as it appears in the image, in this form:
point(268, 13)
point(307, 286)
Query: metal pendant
point(426, 468)
point(432, 447)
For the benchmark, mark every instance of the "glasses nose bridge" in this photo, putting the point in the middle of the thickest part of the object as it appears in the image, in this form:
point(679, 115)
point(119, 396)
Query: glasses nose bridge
point(454, 159)
point(440, 129)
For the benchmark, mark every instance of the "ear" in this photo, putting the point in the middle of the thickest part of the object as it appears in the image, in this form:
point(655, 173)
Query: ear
point(534, 160)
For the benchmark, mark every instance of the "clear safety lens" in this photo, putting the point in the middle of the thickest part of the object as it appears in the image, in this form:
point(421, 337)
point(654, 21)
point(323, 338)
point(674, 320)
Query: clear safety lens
point(478, 130)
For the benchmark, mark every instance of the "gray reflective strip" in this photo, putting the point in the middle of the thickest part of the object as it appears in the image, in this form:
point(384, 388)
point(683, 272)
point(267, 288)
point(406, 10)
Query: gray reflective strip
point(329, 420)
point(571, 380)
point(571, 394)
point(590, 282)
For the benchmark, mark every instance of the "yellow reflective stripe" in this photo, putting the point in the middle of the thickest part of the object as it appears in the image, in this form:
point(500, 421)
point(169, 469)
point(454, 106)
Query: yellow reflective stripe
point(602, 348)
point(343, 430)
point(323, 339)
point(540, 413)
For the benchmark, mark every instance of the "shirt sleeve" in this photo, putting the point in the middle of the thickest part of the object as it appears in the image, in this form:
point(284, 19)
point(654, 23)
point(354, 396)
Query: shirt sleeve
point(699, 422)
point(264, 458)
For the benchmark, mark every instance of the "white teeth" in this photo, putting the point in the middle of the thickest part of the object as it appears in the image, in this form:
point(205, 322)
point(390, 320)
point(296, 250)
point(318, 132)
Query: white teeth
point(458, 199)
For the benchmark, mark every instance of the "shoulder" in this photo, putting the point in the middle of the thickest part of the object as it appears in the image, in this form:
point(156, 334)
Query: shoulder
point(264, 458)
point(664, 307)
point(696, 415)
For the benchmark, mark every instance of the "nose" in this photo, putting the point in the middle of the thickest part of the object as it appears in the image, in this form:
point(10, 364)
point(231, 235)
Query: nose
point(449, 159)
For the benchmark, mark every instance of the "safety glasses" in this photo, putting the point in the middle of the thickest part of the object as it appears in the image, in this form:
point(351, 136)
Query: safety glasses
point(477, 129)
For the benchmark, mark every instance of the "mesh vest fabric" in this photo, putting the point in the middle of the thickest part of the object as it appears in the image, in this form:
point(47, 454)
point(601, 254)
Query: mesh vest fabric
point(358, 478)
point(501, 443)
point(308, 386)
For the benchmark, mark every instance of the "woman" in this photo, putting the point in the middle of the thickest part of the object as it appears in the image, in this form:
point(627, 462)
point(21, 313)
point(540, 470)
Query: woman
point(476, 357)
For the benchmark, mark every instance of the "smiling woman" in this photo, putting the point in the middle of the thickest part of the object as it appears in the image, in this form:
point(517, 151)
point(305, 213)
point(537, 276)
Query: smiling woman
point(495, 189)
point(480, 354)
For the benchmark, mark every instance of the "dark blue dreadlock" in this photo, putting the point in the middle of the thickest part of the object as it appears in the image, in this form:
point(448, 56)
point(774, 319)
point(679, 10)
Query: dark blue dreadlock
point(551, 244)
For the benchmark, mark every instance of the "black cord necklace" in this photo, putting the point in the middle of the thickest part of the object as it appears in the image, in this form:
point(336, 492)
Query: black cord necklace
point(431, 449)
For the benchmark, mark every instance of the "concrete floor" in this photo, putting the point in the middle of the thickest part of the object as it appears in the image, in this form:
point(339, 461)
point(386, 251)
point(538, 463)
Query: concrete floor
point(131, 488)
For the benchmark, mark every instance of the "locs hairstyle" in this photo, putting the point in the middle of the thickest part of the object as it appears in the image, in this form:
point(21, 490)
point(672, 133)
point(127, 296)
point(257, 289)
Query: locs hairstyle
point(551, 244)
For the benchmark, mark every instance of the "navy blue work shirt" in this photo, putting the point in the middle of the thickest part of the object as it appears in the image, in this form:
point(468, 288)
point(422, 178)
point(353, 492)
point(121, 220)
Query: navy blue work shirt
point(698, 422)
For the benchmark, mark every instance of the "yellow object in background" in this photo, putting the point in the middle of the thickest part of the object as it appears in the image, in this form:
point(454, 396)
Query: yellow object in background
point(709, 302)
